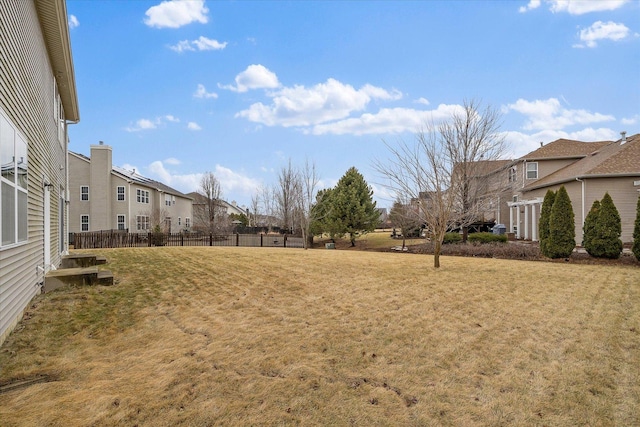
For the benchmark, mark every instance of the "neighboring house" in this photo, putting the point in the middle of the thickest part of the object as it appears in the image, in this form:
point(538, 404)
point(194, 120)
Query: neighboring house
point(587, 170)
point(223, 209)
point(38, 101)
point(106, 197)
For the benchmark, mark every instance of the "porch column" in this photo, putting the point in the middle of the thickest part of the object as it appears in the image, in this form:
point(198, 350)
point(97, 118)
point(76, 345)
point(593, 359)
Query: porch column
point(518, 231)
point(534, 223)
point(510, 219)
point(526, 222)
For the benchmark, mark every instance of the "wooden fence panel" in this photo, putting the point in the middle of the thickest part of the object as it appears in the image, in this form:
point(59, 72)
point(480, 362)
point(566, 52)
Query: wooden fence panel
point(123, 239)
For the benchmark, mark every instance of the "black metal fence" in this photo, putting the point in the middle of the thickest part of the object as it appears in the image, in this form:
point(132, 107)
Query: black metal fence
point(123, 239)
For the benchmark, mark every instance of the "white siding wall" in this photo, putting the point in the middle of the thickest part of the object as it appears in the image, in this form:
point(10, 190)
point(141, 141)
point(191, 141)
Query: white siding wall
point(27, 99)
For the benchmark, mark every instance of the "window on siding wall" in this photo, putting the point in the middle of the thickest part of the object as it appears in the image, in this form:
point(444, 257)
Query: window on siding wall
point(142, 222)
point(187, 222)
point(13, 184)
point(142, 196)
point(84, 193)
point(121, 222)
point(167, 200)
point(84, 222)
point(532, 170)
point(120, 194)
point(512, 174)
point(179, 221)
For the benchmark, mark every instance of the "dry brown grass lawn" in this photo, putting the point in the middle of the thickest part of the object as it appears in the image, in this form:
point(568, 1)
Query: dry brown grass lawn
point(250, 336)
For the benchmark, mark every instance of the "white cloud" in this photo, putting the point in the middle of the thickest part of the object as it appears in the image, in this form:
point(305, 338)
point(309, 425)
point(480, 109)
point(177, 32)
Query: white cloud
point(549, 114)
point(522, 143)
point(423, 101)
point(387, 120)
point(193, 126)
point(324, 102)
point(146, 124)
point(256, 76)
point(175, 14)
point(533, 4)
point(631, 120)
point(73, 22)
point(580, 7)
point(201, 92)
point(602, 31)
point(232, 182)
point(201, 43)
point(172, 161)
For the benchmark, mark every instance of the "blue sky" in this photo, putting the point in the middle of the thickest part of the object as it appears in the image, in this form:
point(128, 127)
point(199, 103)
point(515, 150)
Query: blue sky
point(238, 88)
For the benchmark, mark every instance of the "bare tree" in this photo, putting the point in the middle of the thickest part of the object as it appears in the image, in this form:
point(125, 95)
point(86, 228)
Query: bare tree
point(285, 196)
point(405, 217)
point(305, 189)
point(207, 211)
point(254, 210)
point(444, 171)
point(472, 144)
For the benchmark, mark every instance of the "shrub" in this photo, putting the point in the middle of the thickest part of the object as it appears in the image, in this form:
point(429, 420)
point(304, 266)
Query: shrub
point(636, 233)
point(545, 213)
point(157, 237)
point(604, 241)
point(452, 238)
point(589, 228)
point(487, 238)
point(562, 232)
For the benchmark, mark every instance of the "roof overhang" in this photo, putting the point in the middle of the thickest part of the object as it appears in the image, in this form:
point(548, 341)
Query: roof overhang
point(55, 29)
point(579, 178)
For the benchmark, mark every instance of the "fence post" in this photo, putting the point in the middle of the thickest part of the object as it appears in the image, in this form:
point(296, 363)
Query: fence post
point(261, 235)
point(149, 239)
point(237, 239)
point(210, 239)
point(181, 239)
point(285, 241)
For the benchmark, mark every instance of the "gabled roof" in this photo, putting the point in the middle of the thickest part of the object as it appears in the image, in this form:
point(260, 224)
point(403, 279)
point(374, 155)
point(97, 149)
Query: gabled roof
point(565, 149)
point(612, 159)
point(52, 15)
point(133, 176)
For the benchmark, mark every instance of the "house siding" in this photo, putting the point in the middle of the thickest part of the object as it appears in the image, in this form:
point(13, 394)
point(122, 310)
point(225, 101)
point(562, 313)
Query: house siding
point(27, 101)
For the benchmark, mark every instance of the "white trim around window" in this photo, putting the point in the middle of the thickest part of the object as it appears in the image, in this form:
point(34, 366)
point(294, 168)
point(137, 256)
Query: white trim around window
point(84, 222)
point(121, 222)
point(120, 193)
point(532, 170)
point(84, 193)
point(142, 196)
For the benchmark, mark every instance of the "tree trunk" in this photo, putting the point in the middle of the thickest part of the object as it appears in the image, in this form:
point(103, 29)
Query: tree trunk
point(436, 254)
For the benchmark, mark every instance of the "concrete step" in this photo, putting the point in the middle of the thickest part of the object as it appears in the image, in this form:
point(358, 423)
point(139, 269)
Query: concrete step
point(82, 260)
point(79, 276)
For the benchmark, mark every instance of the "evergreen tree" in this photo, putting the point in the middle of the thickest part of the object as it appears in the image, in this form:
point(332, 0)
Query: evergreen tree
point(545, 213)
point(636, 233)
point(562, 232)
point(606, 242)
point(589, 228)
point(353, 211)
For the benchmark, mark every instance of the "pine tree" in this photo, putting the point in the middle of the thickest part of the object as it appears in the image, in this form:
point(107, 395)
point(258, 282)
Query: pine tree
point(636, 233)
point(562, 232)
point(545, 213)
point(606, 242)
point(589, 228)
point(353, 210)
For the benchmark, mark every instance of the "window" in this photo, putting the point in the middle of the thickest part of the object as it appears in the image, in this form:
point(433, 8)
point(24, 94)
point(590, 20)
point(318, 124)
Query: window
point(532, 170)
point(512, 175)
point(84, 222)
point(179, 221)
point(84, 193)
point(142, 196)
point(515, 198)
point(173, 198)
point(13, 184)
point(187, 222)
point(142, 222)
point(167, 200)
point(121, 222)
point(120, 193)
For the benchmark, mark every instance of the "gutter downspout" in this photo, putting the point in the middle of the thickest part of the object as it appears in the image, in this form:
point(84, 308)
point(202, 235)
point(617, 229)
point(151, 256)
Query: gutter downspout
point(66, 182)
point(584, 184)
